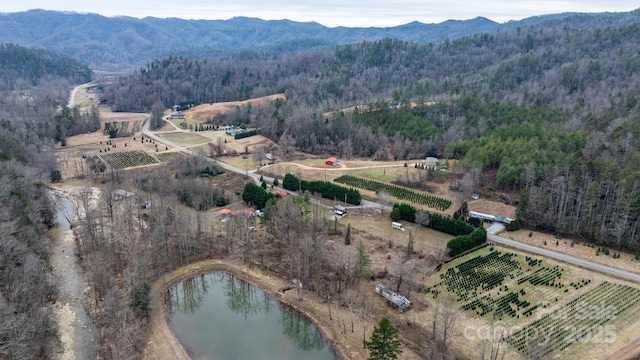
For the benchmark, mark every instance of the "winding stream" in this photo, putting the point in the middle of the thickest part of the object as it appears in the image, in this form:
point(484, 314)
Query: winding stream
point(219, 316)
point(77, 331)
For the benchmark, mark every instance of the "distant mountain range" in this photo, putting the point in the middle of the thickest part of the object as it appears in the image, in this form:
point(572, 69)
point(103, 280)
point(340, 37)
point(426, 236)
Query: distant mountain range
point(125, 42)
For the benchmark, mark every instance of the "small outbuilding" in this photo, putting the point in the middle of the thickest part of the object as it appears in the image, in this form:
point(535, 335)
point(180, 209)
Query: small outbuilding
point(331, 161)
point(270, 158)
point(430, 162)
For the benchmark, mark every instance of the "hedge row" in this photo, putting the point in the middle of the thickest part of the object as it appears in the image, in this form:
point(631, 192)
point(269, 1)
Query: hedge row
point(326, 189)
point(462, 243)
point(437, 222)
point(245, 134)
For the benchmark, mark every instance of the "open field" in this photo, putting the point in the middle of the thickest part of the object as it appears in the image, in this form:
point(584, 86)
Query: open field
point(204, 112)
point(189, 122)
point(185, 139)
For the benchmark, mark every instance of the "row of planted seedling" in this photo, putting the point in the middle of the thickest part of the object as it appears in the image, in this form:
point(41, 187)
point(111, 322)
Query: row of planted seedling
point(398, 192)
point(581, 320)
point(127, 159)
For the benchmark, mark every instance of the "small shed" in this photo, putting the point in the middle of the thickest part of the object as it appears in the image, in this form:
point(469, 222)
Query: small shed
point(270, 158)
point(331, 161)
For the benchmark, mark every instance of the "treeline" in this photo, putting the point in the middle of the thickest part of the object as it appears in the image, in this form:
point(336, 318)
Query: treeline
point(326, 189)
point(22, 67)
point(549, 108)
point(511, 150)
point(127, 43)
point(506, 78)
point(70, 121)
point(27, 161)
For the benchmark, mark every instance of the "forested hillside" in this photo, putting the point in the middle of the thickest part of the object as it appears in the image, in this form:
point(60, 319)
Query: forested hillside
point(29, 116)
point(124, 42)
point(553, 112)
point(20, 67)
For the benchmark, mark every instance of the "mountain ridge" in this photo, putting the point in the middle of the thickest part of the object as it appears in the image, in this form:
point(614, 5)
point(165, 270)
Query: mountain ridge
point(122, 41)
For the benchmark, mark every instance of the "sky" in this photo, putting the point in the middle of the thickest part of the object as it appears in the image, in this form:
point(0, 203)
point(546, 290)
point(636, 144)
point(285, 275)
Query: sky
point(332, 13)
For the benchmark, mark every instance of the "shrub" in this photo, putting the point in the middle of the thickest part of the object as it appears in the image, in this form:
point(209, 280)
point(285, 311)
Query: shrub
point(515, 225)
point(55, 176)
point(140, 297)
point(245, 134)
point(462, 243)
point(395, 214)
point(326, 189)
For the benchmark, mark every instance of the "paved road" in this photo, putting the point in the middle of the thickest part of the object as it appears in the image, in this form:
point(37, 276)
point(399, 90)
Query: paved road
point(365, 203)
point(72, 95)
point(150, 135)
point(566, 258)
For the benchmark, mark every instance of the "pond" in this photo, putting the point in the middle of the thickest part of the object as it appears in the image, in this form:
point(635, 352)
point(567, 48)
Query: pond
point(220, 316)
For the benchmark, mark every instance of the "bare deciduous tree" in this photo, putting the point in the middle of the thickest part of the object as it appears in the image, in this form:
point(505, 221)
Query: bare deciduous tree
point(287, 145)
point(258, 154)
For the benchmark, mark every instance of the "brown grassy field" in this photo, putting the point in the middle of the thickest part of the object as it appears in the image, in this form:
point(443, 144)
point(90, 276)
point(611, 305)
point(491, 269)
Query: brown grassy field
point(206, 111)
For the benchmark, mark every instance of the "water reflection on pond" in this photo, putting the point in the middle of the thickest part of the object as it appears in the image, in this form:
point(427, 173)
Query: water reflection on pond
point(219, 316)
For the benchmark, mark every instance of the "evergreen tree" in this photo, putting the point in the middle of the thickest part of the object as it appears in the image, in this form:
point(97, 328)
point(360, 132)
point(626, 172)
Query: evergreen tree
point(363, 269)
point(347, 237)
point(384, 343)
point(395, 214)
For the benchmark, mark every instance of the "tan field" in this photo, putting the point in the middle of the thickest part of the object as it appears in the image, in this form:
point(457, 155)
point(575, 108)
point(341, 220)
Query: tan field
point(206, 111)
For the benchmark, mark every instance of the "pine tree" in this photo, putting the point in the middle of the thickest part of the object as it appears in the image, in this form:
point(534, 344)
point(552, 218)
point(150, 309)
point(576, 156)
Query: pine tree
point(395, 214)
point(384, 343)
point(363, 268)
point(347, 237)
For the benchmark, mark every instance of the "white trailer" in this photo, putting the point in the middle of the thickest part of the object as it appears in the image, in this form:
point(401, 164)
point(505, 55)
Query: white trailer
point(481, 216)
point(394, 299)
point(397, 226)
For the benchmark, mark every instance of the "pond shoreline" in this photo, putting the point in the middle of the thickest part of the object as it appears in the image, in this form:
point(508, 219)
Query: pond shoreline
point(163, 344)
